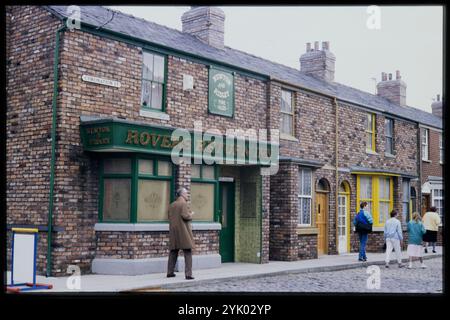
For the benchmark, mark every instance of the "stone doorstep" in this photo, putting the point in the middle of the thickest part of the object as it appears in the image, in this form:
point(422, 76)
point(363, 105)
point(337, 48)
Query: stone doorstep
point(184, 283)
point(134, 267)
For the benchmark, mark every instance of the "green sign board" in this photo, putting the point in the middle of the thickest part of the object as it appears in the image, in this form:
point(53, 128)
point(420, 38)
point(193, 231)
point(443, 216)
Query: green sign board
point(107, 135)
point(221, 92)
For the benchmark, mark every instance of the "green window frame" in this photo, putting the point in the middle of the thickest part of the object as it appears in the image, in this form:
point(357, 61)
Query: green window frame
point(151, 78)
point(202, 178)
point(135, 176)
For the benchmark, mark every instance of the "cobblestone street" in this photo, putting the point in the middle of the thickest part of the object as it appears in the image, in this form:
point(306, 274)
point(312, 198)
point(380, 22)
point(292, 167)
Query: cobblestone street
point(393, 280)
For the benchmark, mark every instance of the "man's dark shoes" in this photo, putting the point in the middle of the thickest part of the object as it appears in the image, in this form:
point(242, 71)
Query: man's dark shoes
point(434, 251)
point(426, 251)
point(171, 275)
point(189, 278)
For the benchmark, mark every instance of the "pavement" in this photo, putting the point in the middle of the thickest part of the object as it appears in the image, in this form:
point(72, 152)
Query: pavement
point(228, 271)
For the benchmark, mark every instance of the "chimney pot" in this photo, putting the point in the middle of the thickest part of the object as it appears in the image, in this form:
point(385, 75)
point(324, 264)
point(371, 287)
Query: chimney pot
point(316, 45)
point(308, 46)
point(393, 91)
point(325, 45)
point(438, 97)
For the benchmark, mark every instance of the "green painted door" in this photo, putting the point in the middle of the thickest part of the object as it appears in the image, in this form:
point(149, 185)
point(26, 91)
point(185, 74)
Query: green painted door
point(226, 216)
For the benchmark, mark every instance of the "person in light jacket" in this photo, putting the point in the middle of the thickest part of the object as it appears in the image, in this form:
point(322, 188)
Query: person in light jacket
point(416, 230)
point(180, 234)
point(431, 221)
point(363, 217)
point(393, 236)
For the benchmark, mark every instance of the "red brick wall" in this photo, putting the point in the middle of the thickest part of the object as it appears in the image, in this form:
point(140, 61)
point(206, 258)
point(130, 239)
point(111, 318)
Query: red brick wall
point(433, 166)
point(30, 41)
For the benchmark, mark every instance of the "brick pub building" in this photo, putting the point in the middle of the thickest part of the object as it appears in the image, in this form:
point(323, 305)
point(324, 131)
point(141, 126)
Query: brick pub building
point(113, 90)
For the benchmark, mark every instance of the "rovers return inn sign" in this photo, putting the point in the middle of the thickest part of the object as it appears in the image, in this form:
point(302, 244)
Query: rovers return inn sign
point(115, 135)
point(221, 92)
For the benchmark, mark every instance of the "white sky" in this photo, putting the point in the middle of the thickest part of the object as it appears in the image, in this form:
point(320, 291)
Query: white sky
point(410, 40)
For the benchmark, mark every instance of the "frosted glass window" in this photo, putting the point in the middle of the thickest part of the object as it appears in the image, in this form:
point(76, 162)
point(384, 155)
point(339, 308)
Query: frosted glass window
point(118, 165)
point(145, 166)
point(202, 201)
point(153, 200)
point(116, 199)
point(164, 168)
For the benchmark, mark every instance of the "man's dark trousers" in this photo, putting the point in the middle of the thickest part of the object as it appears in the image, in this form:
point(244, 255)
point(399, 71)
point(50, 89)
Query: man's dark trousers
point(173, 256)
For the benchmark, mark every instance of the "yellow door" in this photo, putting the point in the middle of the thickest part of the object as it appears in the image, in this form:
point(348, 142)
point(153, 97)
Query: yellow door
point(321, 222)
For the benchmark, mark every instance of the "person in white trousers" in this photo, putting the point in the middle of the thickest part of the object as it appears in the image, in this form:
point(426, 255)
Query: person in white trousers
point(393, 236)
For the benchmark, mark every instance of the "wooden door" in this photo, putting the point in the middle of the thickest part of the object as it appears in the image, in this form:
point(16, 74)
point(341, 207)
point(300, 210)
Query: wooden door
point(425, 203)
point(226, 211)
point(343, 223)
point(321, 222)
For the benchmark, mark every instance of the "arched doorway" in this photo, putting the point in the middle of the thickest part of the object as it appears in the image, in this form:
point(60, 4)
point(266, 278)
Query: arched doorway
point(322, 192)
point(343, 218)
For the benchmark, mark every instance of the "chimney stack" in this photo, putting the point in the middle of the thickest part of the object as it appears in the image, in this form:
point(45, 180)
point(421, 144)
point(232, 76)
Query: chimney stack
point(318, 63)
point(393, 90)
point(436, 107)
point(206, 23)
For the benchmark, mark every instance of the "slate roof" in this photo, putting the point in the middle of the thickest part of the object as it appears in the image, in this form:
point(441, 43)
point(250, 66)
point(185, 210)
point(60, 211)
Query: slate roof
point(158, 34)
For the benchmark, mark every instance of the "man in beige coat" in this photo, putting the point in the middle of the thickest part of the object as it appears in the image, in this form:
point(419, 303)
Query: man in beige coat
point(180, 234)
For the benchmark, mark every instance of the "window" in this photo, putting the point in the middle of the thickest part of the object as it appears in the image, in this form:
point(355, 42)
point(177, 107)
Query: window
point(153, 81)
point(389, 133)
point(441, 148)
point(304, 196)
point(377, 191)
point(425, 144)
point(287, 113)
point(135, 189)
point(406, 200)
point(370, 132)
point(366, 192)
point(438, 202)
point(203, 192)
point(384, 199)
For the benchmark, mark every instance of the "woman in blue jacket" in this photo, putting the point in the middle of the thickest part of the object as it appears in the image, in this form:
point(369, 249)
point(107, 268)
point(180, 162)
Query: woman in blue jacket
point(416, 230)
point(363, 224)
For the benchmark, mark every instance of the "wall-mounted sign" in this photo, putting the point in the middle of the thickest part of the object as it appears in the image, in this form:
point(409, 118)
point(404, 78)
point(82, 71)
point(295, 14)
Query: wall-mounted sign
point(105, 82)
point(221, 92)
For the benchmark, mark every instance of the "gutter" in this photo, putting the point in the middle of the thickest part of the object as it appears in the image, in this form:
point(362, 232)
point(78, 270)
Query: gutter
point(336, 202)
point(52, 163)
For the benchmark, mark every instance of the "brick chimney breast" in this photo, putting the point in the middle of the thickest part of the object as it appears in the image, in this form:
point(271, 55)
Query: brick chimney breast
point(317, 62)
point(392, 89)
point(436, 107)
point(206, 23)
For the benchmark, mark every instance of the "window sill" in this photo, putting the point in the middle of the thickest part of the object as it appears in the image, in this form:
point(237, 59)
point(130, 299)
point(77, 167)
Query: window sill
point(428, 161)
point(154, 114)
point(378, 229)
point(137, 227)
point(371, 152)
point(288, 137)
point(307, 230)
point(389, 155)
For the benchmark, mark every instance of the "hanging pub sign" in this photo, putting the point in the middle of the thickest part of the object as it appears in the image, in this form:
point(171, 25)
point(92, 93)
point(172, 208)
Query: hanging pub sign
point(221, 92)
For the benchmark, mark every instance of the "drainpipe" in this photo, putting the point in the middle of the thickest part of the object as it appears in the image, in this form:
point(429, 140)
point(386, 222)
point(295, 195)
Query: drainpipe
point(337, 172)
point(52, 163)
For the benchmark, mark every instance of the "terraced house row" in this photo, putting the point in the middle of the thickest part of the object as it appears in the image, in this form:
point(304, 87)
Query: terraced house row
point(90, 111)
